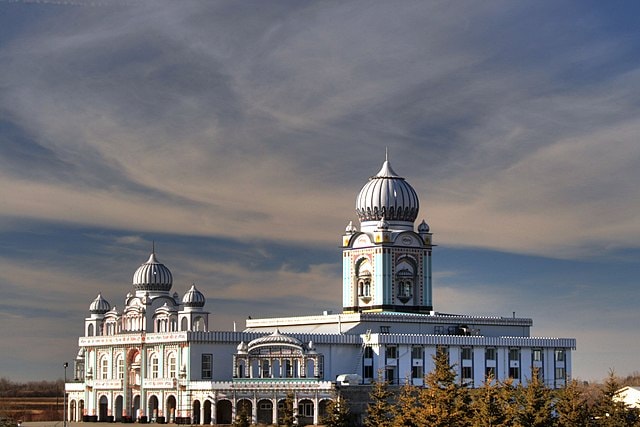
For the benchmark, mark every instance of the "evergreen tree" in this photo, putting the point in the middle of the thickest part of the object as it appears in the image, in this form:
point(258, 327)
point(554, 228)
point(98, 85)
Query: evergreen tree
point(242, 417)
point(288, 416)
point(338, 414)
point(444, 402)
point(508, 402)
point(379, 412)
point(487, 405)
point(571, 406)
point(608, 411)
point(535, 403)
point(407, 409)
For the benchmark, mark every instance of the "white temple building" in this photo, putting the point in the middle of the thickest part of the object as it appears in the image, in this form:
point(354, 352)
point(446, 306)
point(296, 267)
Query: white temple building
point(156, 359)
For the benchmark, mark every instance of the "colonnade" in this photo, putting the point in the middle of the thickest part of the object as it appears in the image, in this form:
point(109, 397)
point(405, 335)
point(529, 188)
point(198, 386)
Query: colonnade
point(260, 407)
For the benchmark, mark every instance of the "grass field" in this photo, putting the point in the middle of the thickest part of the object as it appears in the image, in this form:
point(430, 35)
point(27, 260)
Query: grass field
point(31, 408)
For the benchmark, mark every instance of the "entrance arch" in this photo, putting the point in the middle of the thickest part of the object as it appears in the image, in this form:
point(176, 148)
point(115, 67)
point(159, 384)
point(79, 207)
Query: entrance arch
point(207, 412)
point(196, 412)
point(136, 406)
point(74, 415)
point(322, 408)
point(265, 412)
point(224, 412)
point(103, 409)
point(244, 406)
point(153, 408)
point(305, 412)
point(118, 415)
point(170, 411)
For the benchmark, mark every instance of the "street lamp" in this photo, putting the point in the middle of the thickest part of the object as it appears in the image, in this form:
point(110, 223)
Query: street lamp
point(64, 399)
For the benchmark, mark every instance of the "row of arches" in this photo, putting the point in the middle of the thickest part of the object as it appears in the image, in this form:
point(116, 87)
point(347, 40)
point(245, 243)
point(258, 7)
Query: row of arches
point(203, 412)
point(116, 325)
point(75, 410)
point(405, 279)
point(278, 367)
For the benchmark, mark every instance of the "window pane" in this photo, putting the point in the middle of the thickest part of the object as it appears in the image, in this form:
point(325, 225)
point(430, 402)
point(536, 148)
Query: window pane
point(207, 362)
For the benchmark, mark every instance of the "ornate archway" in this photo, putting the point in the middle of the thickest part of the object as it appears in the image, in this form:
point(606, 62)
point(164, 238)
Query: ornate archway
point(265, 412)
point(224, 412)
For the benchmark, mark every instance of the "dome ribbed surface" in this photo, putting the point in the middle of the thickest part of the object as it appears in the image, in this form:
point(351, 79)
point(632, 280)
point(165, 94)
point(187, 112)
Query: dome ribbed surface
point(274, 339)
point(193, 298)
point(99, 305)
point(152, 276)
point(387, 196)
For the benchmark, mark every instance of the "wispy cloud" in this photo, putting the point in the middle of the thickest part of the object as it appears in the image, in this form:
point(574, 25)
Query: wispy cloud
point(245, 130)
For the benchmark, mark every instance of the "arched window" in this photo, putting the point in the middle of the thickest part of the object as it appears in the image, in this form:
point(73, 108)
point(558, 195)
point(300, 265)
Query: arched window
point(90, 330)
point(172, 365)
point(184, 324)
point(266, 372)
point(405, 279)
point(364, 279)
point(154, 366)
point(104, 368)
point(120, 366)
point(198, 324)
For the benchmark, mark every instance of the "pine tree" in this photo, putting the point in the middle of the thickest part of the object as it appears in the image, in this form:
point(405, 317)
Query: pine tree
point(487, 405)
point(379, 412)
point(535, 403)
point(445, 403)
point(609, 411)
point(407, 409)
point(508, 402)
point(571, 406)
point(288, 416)
point(338, 414)
point(242, 418)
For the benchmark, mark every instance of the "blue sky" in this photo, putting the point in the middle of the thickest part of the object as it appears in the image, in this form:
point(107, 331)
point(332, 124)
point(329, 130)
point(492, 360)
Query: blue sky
point(236, 136)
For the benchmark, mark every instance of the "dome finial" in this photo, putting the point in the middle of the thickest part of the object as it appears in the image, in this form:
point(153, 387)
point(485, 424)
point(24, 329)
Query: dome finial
point(387, 195)
point(153, 246)
point(152, 275)
point(386, 154)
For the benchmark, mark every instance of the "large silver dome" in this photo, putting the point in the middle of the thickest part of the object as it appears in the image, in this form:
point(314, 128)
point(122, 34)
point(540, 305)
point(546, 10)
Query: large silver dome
point(387, 196)
point(152, 276)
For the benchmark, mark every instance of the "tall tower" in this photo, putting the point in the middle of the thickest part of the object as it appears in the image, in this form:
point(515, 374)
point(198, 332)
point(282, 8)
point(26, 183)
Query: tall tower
point(386, 266)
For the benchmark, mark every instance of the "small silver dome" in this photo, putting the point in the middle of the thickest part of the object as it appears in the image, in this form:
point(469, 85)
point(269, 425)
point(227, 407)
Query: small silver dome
point(99, 305)
point(193, 298)
point(242, 347)
point(152, 276)
point(387, 196)
point(351, 229)
point(423, 227)
point(383, 224)
point(276, 338)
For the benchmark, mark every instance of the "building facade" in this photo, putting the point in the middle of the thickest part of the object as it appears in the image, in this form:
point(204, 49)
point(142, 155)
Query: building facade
point(156, 359)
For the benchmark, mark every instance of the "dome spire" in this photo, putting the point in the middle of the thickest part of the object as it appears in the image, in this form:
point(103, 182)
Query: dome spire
point(152, 275)
point(386, 171)
point(387, 195)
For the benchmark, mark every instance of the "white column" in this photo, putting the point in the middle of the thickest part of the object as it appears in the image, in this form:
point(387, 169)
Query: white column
point(274, 411)
point(254, 409)
point(315, 410)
